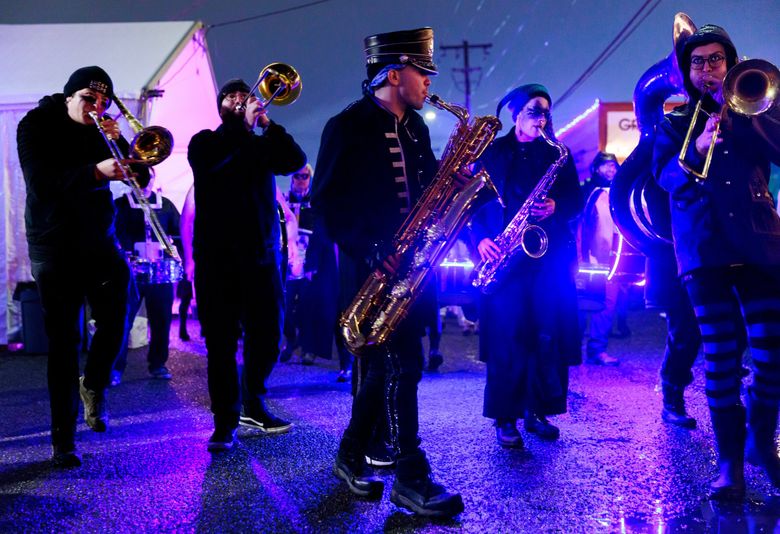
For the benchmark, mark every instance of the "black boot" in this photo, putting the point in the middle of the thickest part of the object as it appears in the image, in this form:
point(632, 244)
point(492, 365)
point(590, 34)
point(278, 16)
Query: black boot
point(729, 427)
point(183, 334)
point(674, 407)
point(415, 490)
point(351, 467)
point(761, 448)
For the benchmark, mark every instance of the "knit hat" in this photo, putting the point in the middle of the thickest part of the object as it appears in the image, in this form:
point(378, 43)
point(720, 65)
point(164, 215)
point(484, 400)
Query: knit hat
point(519, 97)
point(93, 78)
point(231, 86)
point(406, 47)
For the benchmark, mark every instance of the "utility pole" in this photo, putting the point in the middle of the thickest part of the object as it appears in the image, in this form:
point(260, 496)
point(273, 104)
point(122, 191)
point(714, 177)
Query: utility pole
point(467, 68)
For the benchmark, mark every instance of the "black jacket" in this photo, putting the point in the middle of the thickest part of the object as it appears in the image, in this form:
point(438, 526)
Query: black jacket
point(358, 192)
point(235, 191)
point(68, 209)
point(515, 169)
point(730, 218)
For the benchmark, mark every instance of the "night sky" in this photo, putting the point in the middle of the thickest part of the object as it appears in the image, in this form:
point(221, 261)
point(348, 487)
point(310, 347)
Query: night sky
point(551, 42)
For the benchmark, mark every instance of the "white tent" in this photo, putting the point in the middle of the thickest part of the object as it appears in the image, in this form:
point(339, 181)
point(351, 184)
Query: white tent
point(161, 71)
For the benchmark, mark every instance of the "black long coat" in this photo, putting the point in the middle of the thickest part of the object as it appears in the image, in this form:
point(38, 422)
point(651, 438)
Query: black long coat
point(529, 331)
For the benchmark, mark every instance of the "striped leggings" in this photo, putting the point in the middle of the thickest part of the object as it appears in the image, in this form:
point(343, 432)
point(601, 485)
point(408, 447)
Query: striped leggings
point(724, 299)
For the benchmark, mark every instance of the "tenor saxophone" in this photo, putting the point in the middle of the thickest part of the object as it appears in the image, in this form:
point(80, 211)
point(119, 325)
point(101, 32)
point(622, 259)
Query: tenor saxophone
point(521, 229)
point(426, 235)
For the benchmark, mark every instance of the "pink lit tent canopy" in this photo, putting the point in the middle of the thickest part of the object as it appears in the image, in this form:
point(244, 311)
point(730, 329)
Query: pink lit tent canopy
point(161, 71)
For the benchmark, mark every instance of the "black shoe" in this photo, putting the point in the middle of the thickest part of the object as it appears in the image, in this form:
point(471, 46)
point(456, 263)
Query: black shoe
point(674, 407)
point(264, 421)
point(286, 354)
point(357, 476)
point(65, 457)
point(161, 373)
point(380, 455)
point(435, 359)
point(540, 426)
point(94, 408)
point(427, 498)
point(222, 439)
point(508, 436)
point(183, 334)
point(344, 375)
point(308, 358)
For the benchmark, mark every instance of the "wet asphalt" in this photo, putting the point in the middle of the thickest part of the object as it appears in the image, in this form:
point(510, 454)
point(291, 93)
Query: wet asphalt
point(616, 468)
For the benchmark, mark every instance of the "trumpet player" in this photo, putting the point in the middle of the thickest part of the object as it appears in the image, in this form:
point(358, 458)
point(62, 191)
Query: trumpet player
point(236, 248)
point(73, 247)
point(529, 325)
point(379, 148)
point(727, 245)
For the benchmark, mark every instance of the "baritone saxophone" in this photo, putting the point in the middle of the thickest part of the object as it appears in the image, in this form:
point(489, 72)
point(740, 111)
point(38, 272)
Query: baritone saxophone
point(426, 235)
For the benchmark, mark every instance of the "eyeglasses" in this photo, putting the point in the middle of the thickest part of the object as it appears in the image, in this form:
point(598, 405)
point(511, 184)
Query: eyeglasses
point(301, 176)
point(697, 62)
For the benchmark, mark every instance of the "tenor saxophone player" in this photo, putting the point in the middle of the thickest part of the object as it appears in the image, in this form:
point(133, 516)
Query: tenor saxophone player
point(374, 162)
point(529, 326)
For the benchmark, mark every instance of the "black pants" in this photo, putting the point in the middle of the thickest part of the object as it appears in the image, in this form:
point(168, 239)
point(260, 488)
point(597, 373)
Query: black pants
point(682, 338)
point(102, 279)
point(294, 314)
point(390, 384)
point(159, 310)
point(234, 295)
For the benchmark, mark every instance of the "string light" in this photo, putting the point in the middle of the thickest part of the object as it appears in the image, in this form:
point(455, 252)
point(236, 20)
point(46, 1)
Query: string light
point(578, 119)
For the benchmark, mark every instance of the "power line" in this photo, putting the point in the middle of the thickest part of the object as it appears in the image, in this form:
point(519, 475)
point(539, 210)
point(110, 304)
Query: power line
point(266, 15)
point(619, 39)
point(467, 68)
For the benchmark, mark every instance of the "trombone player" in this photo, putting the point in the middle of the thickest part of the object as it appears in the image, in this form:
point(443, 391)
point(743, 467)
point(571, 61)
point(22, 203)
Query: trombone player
point(727, 242)
point(236, 248)
point(74, 253)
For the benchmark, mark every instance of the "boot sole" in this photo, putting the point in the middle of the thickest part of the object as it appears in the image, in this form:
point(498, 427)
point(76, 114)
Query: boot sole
point(370, 494)
point(251, 423)
point(404, 502)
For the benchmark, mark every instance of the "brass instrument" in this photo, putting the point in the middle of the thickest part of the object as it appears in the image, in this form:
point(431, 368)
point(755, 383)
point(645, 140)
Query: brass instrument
point(514, 237)
point(749, 88)
point(151, 145)
point(278, 84)
point(426, 235)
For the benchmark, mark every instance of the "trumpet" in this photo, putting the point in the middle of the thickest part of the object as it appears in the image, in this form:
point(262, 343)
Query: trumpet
point(749, 88)
point(151, 145)
point(278, 84)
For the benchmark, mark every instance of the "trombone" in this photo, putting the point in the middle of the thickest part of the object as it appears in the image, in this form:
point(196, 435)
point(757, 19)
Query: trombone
point(278, 83)
point(750, 88)
point(151, 145)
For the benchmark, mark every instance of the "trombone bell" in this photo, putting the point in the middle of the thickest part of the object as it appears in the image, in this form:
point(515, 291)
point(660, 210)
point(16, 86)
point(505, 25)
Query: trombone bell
point(751, 86)
point(152, 145)
point(279, 84)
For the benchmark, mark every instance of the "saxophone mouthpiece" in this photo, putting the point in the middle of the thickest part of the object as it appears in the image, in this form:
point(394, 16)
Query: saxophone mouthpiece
point(434, 99)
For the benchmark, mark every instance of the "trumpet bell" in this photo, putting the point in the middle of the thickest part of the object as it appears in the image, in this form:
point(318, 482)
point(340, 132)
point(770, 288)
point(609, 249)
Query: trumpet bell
point(751, 86)
point(280, 84)
point(152, 145)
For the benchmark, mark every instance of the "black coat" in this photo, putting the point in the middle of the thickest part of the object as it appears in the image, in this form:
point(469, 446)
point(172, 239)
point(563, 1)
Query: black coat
point(515, 169)
point(235, 191)
point(356, 192)
point(730, 218)
point(68, 209)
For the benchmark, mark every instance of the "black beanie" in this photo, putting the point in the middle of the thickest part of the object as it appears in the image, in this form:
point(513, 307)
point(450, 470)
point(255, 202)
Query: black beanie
point(231, 86)
point(519, 97)
point(709, 33)
point(93, 78)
